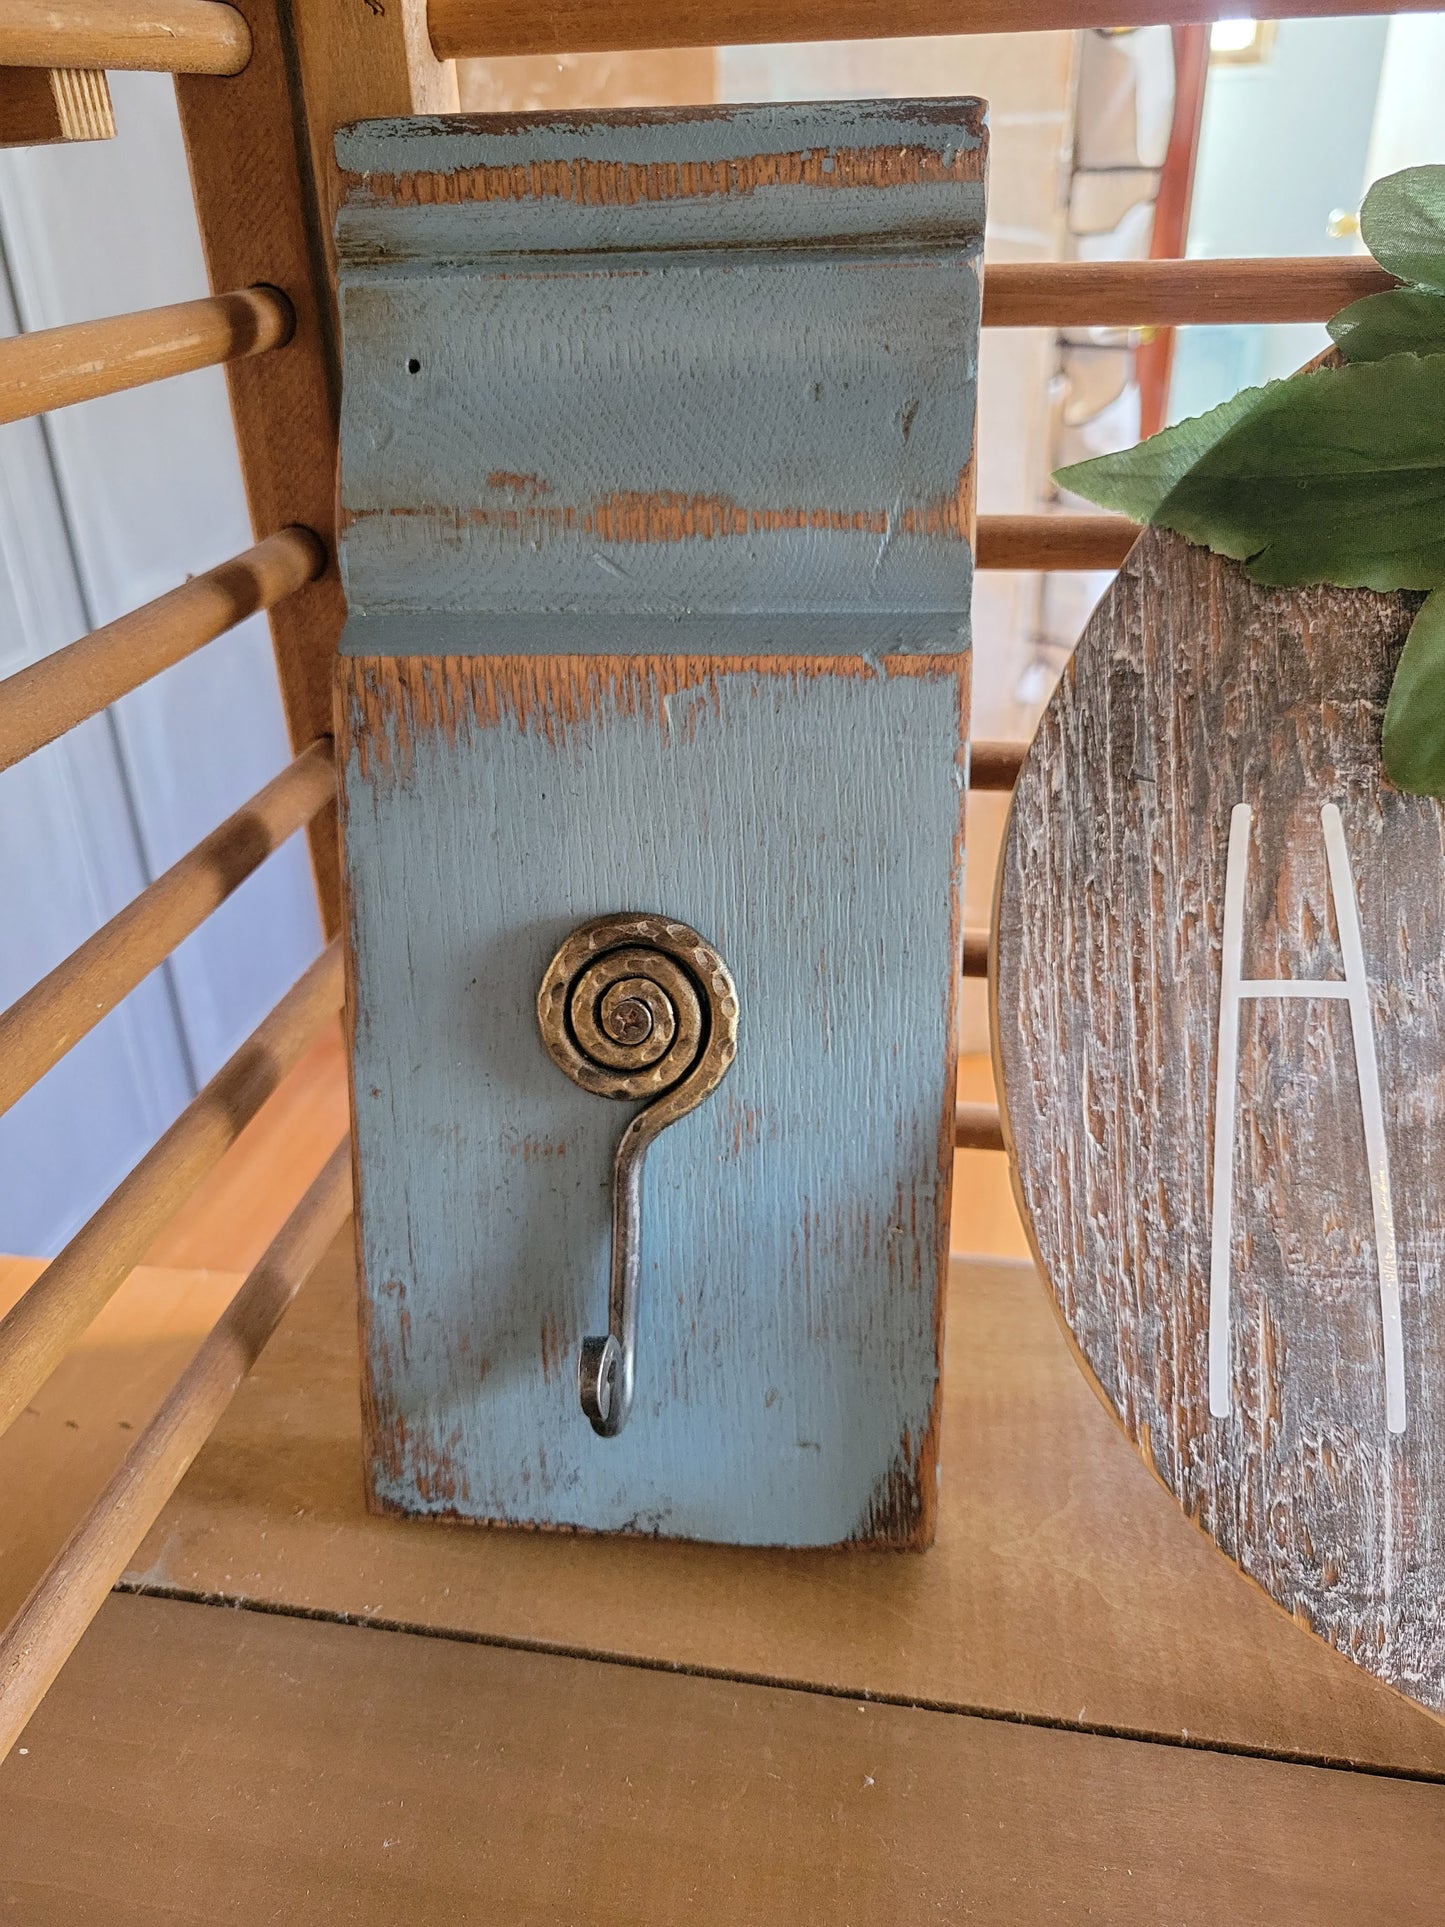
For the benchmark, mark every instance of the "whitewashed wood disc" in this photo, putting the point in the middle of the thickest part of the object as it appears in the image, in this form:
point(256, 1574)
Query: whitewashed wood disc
point(1192, 692)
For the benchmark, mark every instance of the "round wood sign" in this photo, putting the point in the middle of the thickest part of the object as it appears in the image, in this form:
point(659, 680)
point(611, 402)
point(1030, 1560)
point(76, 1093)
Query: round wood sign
point(1219, 979)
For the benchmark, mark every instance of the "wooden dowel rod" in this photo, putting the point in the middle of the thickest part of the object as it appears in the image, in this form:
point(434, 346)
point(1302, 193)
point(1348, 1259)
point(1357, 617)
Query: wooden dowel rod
point(977, 1127)
point(56, 366)
point(43, 700)
point(466, 29)
point(52, 1017)
point(41, 1327)
point(1140, 294)
point(975, 953)
point(45, 1631)
point(994, 766)
point(156, 36)
point(1054, 541)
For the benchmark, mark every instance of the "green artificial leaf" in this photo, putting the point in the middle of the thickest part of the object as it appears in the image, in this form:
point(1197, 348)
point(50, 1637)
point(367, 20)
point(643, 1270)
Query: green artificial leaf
point(1405, 321)
point(1333, 476)
point(1403, 223)
point(1414, 741)
point(1137, 481)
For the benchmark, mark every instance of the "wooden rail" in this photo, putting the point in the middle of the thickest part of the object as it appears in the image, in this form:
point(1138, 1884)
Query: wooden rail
point(158, 36)
point(57, 366)
point(39, 1330)
point(1169, 226)
point(486, 28)
point(50, 1019)
point(43, 700)
point(45, 1631)
point(975, 953)
point(994, 766)
point(1054, 541)
point(1143, 294)
point(977, 1127)
point(263, 214)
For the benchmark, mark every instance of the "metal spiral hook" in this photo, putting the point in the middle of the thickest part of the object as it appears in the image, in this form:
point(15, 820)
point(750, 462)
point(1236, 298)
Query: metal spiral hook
point(635, 1006)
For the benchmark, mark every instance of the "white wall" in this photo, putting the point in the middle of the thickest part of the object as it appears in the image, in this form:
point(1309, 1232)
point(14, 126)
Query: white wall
point(1283, 146)
point(1409, 125)
point(103, 506)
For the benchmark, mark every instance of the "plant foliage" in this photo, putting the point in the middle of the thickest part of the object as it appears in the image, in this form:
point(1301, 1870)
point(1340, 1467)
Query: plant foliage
point(1336, 474)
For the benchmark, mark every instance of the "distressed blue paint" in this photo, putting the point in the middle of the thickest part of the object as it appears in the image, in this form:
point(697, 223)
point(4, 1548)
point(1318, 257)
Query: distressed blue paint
point(369, 229)
point(795, 422)
point(673, 434)
point(868, 637)
point(794, 1224)
point(778, 385)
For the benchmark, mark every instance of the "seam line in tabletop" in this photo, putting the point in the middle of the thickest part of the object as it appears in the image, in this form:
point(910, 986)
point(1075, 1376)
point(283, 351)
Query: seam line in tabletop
point(740, 1676)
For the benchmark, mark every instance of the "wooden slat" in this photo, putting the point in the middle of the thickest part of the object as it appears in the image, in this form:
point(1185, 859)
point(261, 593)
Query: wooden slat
point(485, 28)
point(1140, 294)
point(158, 36)
point(51, 1018)
point(986, 1222)
point(43, 700)
point(260, 224)
point(55, 1464)
point(362, 63)
point(1063, 1585)
point(1054, 541)
point(236, 1209)
point(976, 1127)
point(1169, 229)
point(199, 1765)
point(41, 105)
point(41, 1637)
point(975, 953)
point(36, 1333)
point(994, 766)
point(54, 367)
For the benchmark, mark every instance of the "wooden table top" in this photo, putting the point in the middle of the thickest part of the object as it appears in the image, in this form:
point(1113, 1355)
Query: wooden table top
point(206, 1766)
point(1071, 1707)
point(1064, 1586)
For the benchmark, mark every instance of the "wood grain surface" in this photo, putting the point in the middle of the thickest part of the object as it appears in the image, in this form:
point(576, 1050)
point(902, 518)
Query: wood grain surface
point(55, 1013)
point(1063, 1586)
point(237, 1208)
point(156, 36)
point(46, 698)
point(54, 367)
point(481, 28)
point(58, 1455)
point(1137, 294)
point(359, 63)
point(38, 1641)
point(1192, 692)
point(199, 1765)
point(39, 105)
point(261, 219)
point(36, 1333)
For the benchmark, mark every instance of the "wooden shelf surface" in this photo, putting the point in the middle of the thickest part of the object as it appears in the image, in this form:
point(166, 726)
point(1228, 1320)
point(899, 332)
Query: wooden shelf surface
point(57, 1456)
point(1065, 1586)
point(1151, 1718)
point(201, 1765)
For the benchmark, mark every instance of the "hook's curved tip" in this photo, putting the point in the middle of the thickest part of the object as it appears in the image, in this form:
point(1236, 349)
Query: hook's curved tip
point(600, 1385)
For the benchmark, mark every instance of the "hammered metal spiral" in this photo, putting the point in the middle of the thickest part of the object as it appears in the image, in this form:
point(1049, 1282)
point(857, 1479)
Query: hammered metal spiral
point(635, 1007)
